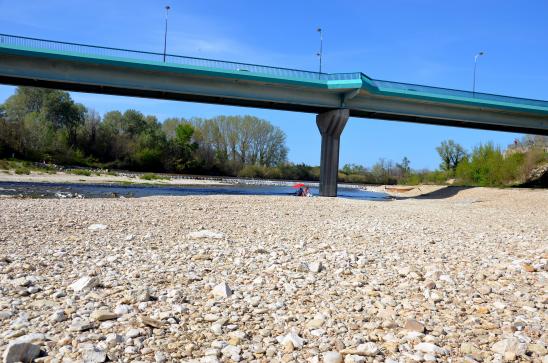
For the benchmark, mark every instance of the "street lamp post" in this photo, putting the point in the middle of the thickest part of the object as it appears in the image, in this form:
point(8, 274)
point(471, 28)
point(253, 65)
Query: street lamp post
point(475, 64)
point(165, 33)
point(319, 54)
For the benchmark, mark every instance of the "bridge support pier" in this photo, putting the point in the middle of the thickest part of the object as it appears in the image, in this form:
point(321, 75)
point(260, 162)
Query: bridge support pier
point(331, 125)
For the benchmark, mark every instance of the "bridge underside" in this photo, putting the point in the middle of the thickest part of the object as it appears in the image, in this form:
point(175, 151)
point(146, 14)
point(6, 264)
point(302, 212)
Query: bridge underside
point(333, 102)
point(221, 100)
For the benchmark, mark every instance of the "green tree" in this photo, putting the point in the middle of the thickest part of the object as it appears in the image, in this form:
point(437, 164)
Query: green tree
point(451, 155)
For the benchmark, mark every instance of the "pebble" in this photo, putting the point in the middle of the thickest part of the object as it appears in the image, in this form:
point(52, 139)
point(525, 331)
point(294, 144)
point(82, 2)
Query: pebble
point(222, 290)
point(97, 227)
point(20, 352)
point(293, 338)
point(413, 325)
point(103, 315)
point(93, 354)
point(84, 283)
point(332, 357)
point(206, 234)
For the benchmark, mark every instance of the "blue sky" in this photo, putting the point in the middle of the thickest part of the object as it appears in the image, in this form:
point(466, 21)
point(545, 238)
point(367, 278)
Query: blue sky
point(425, 42)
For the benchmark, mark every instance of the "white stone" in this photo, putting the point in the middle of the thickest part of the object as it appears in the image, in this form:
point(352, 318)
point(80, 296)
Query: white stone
point(21, 352)
point(315, 267)
point(206, 234)
point(222, 290)
point(332, 357)
point(97, 227)
point(354, 358)
point(231, 350)
point(429, 348)
point(122, 309)
point(58, 316)
point(84, 283)
point(160, 357)
point(295, 339)
point(133, 333)
point(369, 349)
point(509, 345)
point(93, 355)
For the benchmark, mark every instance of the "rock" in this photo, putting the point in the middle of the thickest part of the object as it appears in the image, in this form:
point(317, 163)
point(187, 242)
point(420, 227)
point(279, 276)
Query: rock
point(231, 350)
point(133, 333)
point(21, 352)
point(122, 309)
point(509, 346)
point(85, 283)
point(332, 357)
point(222, 290)
point(79, 324)
point(151, 322)
point(97, 227)
point(353, 358)
point(528, 268)
point(537, 349)
point(368, 349)
point(36, 338)
point(206, 234)
point(294, 339)
point(430, 348)
point(315, 267)
point(414, 325)
point(160, 357)
point(315, 323)
point(137, 296)
point(93, 355)
point(103, 315)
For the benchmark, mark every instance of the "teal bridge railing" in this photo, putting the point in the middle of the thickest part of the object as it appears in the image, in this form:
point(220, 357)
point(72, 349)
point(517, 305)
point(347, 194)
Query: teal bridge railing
point(384, 86)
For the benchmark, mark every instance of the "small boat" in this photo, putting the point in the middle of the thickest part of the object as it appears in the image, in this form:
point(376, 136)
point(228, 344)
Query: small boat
point(396, 189)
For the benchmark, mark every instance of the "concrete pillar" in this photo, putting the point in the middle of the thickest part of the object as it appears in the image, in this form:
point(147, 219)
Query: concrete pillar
point(331, 125)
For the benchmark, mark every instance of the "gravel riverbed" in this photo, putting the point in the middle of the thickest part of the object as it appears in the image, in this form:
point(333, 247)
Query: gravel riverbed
point(458, 278)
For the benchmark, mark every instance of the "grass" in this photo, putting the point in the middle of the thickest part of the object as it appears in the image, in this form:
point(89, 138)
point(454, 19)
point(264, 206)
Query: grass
point(152, 176)
point(80, 172)
point(22, 170)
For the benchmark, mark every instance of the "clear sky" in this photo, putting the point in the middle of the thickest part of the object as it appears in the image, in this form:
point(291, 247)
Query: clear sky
point(425, 42)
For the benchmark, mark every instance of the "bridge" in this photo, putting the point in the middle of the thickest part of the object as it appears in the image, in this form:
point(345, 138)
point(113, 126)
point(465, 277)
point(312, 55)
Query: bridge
point(332, 97)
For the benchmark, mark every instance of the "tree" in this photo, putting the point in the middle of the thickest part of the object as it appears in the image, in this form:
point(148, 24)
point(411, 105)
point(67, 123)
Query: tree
point(451, 155)
point(404, 167)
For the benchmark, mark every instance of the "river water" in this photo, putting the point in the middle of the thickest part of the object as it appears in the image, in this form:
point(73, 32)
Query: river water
point(62, 190)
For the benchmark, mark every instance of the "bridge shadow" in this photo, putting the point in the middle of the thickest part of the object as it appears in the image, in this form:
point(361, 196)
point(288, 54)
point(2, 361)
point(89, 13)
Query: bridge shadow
point(443, 193)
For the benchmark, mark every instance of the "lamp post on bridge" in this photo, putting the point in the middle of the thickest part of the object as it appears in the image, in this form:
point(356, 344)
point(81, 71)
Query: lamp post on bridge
point(165, 33)
point(475, 64)
point(320, 53)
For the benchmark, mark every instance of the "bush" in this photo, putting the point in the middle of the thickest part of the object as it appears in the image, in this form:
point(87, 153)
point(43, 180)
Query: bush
point(152, 176)
point(4, 164)
point(22, 170)
point(80, 172)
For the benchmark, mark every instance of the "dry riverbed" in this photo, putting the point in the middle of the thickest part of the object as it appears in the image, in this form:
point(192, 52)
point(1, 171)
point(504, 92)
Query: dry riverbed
point(457, 277)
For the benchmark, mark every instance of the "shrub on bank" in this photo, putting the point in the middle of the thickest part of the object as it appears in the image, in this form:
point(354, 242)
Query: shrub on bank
point(152, 176)
point(22, 171)
point(80, 172)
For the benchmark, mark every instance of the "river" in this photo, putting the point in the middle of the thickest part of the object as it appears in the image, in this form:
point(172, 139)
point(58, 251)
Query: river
point(82, 190)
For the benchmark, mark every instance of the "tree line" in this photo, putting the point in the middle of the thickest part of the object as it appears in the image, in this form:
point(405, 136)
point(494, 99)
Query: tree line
point(47, 125)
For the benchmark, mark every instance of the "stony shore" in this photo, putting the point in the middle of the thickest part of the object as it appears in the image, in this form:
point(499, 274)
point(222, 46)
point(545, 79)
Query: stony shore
point(457, 277)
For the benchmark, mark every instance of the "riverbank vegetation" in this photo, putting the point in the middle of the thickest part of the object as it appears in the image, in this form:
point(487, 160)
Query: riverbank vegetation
point(47, 126)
